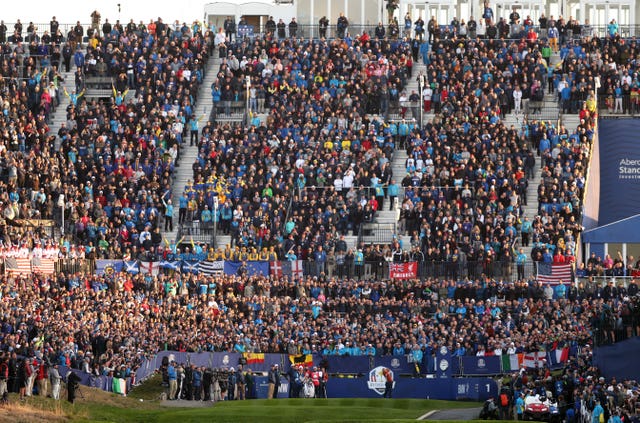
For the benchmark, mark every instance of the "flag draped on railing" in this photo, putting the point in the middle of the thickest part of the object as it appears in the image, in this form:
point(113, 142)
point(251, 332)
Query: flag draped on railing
point(27, 265)
point(551, 273)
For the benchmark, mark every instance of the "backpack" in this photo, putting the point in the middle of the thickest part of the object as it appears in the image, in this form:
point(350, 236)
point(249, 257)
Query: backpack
point(504, 400)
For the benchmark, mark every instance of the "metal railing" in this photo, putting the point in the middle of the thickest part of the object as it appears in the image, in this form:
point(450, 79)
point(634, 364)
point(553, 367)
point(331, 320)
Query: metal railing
point(379, 270)
point(630, 104)
point(197, 231)
point(376, 233)
point(315, 31)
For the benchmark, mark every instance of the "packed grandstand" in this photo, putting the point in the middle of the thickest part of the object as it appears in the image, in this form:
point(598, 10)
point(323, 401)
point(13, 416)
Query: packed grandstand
point(92, 280)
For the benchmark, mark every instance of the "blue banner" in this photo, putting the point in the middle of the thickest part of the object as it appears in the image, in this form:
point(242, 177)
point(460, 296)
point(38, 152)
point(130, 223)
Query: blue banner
point(344, 364)
point(472, 365)
point(619, 169)
point(613, 360)
point(399, 364)
point(476, 389)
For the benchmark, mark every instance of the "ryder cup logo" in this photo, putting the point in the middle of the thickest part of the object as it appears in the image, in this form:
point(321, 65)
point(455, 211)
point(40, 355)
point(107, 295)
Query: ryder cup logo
point(395, 363)
point(481, 363)
point(225, 360)
point(377, 379)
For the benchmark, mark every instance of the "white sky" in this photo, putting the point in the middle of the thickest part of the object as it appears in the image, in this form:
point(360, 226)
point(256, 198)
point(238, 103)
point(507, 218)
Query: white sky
point(70, 11)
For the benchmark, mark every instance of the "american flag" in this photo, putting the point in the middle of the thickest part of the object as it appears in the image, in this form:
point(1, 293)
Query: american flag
point(43, 266)
point(554, 273)
point(17, 265)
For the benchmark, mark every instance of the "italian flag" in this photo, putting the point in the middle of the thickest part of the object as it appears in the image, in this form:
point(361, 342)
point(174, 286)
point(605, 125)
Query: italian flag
point(119, 386)
point(512, 362)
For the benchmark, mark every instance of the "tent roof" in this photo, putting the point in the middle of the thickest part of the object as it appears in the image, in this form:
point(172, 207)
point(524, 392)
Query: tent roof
point(625, 230)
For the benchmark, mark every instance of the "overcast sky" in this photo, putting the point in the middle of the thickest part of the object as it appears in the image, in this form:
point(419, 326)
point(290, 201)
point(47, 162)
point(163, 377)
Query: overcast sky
point(69, 11)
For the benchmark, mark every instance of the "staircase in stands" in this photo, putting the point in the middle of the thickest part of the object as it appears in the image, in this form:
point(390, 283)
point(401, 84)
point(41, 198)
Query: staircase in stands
point(188, 153)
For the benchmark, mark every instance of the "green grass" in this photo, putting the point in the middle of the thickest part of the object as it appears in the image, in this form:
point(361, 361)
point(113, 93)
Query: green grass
point(98, 406)
point(284, 411)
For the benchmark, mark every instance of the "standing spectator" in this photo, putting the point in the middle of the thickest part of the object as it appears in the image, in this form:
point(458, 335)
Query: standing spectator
point(543, 23)
point(270, 27)
point(293, 28)
point(487, 14)
point(521, 260)
point(4, 376)
point(193, 129)
point(320, 258)
point(229, 26)
point(432, 28)
point(342, 25)
point(419, 28)
point(173, 380)
point(281, 26)
point(168, 214)
point(3, 32)
point(53, 26)
point(407, 25)
point(55, 378)
point(517, 100)
point(380, 31)
point(273, 379)
point(95, 20)
point(323, 25)
point(553, 35)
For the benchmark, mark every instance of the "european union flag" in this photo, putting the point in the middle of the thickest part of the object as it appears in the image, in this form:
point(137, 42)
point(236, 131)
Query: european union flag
point(108, 267)
point(253, 268)
point(259, 268)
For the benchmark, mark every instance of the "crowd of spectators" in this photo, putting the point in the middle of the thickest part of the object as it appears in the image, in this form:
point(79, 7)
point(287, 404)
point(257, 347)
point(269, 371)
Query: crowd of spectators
point(317, 170)
point(318, 156)
point(107, 173)
point(101, 323)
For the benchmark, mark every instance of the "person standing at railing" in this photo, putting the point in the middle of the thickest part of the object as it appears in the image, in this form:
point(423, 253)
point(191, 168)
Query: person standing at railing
point(168, 213)
point(281, 28)
point(419, 28)
point(618, 99)
point(553, 35)
point(342, 25)
point(380, 31)
point(293, 28)
point(517, 100)
point(53, 25)
point(521, 260)
point(229, 28)
point(612, 28)
point(323, 24)
point(432, 28)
